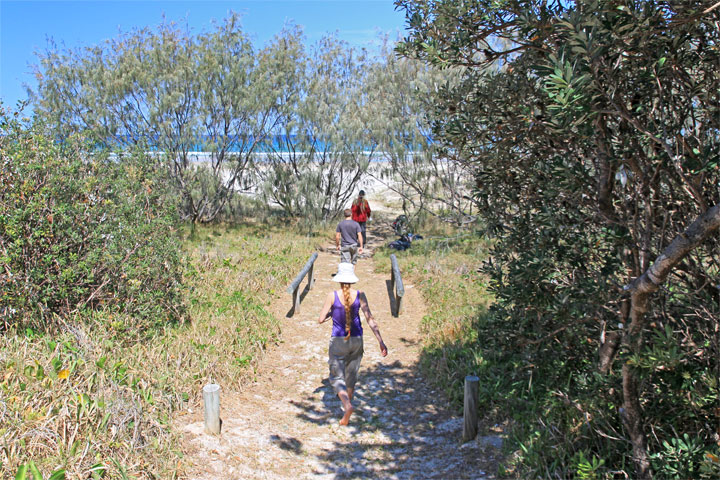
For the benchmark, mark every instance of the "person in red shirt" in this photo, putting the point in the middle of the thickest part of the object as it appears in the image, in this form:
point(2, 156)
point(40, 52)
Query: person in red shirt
point(361, 213)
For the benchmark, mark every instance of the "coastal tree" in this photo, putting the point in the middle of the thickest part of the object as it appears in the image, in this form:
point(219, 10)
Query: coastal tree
point(428, 178)
point(593, 129)
point(318, 150)
point(172, 93)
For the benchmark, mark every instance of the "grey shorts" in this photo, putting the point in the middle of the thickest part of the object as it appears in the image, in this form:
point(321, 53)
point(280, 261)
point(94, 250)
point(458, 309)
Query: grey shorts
point(349, 254)
point(344, 360)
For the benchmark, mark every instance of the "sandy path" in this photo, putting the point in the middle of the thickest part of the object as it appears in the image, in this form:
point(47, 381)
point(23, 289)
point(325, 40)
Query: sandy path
point(284, 425)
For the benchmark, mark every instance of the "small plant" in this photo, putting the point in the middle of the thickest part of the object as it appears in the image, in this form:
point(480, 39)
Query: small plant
point(30, 471)
point(679, 458)
point(588, 469)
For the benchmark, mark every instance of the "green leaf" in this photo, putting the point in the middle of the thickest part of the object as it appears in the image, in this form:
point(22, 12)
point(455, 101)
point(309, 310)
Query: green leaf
point(661, 62)
point(57, 364)
point(34, 470)
point(59, 475)
point(101, 362)
point(98, 470)
point(21, 473)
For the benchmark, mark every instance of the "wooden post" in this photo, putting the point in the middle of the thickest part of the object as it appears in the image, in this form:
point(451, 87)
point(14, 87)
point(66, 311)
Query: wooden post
point(311, 276)
point(470, 411)
point(211, 398)
point(294, 287)
point(296, 300)
point(396, 284)
point(392, 284)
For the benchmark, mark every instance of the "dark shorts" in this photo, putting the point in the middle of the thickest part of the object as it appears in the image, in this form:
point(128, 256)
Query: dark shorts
point(364, 234)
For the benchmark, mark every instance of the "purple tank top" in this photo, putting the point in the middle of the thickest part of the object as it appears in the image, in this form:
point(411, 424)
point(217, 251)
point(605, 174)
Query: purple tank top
point(338, 316)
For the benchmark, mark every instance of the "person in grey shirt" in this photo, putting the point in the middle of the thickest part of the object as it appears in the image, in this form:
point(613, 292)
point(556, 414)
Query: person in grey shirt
point(348, 238)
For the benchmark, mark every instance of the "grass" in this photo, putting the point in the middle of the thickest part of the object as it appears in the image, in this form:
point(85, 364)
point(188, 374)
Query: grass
point(97, 400)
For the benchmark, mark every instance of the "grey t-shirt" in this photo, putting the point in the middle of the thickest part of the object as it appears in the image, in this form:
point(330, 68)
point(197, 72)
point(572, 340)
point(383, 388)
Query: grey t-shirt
point(349, 232)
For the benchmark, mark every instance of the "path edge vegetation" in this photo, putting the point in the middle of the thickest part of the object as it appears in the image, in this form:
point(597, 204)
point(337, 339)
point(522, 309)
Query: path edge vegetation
point(592, 132)
point(91, 375)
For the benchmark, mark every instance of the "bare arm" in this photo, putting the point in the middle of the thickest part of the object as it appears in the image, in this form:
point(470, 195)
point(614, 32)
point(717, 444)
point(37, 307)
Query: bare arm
point(371, 323)
point(337, 240)
point(325, 312)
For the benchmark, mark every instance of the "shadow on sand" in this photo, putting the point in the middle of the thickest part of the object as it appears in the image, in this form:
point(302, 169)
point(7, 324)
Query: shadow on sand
point(400, 429)
point(287, 443)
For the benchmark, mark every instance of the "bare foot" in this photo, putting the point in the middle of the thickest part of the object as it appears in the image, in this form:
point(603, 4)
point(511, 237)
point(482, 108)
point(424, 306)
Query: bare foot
point(346, 418)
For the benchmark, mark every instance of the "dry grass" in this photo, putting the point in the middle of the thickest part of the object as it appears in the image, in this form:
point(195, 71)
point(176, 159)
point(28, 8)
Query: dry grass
point(97, 399)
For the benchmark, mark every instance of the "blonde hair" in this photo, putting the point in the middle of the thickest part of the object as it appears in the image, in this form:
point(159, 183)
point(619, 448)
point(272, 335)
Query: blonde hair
point(346, 297)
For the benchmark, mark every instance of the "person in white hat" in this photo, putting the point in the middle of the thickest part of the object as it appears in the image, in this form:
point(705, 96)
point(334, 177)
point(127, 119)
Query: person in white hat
point(346, 340)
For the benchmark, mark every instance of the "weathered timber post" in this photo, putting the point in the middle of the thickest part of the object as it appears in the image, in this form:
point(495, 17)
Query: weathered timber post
point(311, 276)
point(396, 284)
point(294, 287)
point(470, 411)
point(296, 300)
point(211, 399)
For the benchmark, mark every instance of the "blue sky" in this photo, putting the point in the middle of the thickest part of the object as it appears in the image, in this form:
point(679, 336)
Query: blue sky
point(26, 25)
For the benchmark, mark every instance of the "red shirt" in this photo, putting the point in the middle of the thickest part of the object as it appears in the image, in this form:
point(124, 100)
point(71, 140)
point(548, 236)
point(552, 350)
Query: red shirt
point(360, 210)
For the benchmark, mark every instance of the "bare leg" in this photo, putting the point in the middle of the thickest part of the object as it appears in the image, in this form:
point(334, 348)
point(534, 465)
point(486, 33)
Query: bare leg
point(347, 406)
point(350, 393)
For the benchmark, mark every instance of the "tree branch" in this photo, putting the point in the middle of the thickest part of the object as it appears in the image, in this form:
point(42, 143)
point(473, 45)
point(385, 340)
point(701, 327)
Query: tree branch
point(685, 242)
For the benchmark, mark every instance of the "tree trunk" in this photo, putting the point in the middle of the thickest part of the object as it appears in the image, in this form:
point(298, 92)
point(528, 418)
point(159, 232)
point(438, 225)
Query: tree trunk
point(641, 289)
point(631, 412)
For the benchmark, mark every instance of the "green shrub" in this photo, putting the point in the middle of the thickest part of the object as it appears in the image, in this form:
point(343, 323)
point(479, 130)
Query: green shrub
point(534, 348)
point(81, 229)
point(120, 393)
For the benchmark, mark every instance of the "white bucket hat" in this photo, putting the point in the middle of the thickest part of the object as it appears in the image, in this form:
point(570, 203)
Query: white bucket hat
point(346, 273)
